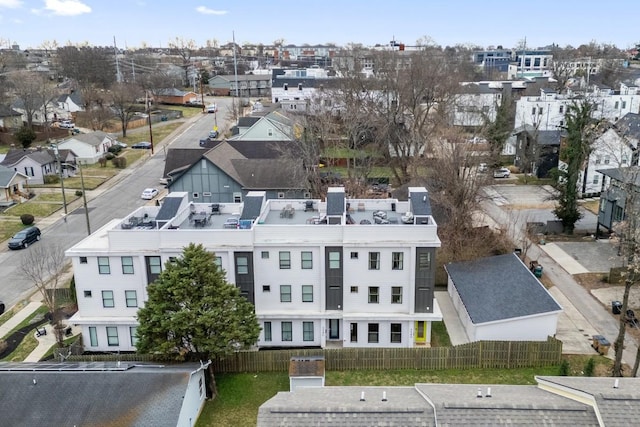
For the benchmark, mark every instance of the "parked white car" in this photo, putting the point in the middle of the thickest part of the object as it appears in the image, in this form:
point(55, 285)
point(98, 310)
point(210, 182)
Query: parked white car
point(149, 193)
point(501, 173)
point(66, 124)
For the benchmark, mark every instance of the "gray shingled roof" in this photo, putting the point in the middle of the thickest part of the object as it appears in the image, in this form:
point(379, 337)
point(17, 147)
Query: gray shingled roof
point(180, 159)
point(341, 406)
point(270, 174)
point(41, 157)
point(94, 138)
point(619, 407)
point(499, 288)
point(629, 125)
point(625, 175)
point(6, 111)
point(136, 397)
point(458, 405)
point(6, 175)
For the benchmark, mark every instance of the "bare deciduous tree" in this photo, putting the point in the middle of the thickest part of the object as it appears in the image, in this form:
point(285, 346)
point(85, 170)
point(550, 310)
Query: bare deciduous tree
point(44, 265)
point(123, 102)
point(35, 92)
point(184, 49)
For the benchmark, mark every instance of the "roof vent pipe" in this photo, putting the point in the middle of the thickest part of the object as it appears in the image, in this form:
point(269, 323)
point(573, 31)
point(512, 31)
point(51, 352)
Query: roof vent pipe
point(616, 383)
point(384, 396)
point(479, 394)
point(362, 399)
point(488, 392)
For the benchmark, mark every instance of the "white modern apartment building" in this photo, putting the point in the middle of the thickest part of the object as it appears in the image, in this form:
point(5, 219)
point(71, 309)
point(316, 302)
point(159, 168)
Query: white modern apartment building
point(338, 272)
point(547, 111)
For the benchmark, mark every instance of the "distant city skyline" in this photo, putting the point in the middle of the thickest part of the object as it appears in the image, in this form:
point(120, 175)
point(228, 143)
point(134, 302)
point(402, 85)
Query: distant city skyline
point(30, 23)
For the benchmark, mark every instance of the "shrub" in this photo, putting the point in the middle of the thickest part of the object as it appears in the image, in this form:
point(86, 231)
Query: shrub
point(123, 163)
point(589, 367)
point(51, 179)
point(78, 193)
point(565, 368)
point(109, 156)
point(115, 149)
point(27, 219)
point(103, 161)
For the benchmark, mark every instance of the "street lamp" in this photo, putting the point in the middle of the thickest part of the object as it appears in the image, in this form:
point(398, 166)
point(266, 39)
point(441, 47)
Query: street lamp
point(84, 198)
point(64, 197)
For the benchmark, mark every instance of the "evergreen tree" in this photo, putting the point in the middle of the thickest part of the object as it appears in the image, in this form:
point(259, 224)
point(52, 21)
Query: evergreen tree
point(575, 151)
point(192, 312)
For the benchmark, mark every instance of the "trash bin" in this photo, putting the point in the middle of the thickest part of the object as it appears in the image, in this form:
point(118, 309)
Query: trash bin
point(601, 344)
point(616, 307)
point(537, 271)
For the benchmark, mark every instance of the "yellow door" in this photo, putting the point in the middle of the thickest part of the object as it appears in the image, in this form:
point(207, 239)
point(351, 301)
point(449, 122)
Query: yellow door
point(420, 334)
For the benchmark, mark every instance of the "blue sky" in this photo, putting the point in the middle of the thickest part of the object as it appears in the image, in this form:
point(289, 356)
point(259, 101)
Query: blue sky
point(29, 23)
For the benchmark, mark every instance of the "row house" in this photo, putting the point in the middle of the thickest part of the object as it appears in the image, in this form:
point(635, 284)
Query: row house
point(337, 272)
point(547, 110)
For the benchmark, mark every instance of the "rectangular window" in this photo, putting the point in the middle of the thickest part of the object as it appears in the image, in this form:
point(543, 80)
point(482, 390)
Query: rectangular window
point(87, 294)
point(354, 289)
point(374, 260)
point(285, 260)
point(618, 213)
point(354, 332)
point(93, 336)
point(373, 332)
point(107, 299)
point(624, 104)
point(334, 260)
point(354, 255)
point(287, 331)
point(133, 333)
point(533, 111)
point(307, 260)
point(127, 265)
point(103, 265)
point(307, 331)
point(397, 260)
point(396, 295)
point(607, 159)
point(615, 105)
point(424, 261)
point(596, 179)
point(265, 254)
point(242, 265)
point(540, 110)
point(112, 336)
point(266, 288)
point(267, 331)
point(83, 260)
point(132, 298)
point(217, 261)
point(374, 295)
point(598, 160)
point(307, 293)
point(561, 109)
point(396, 332)
point(285, 293)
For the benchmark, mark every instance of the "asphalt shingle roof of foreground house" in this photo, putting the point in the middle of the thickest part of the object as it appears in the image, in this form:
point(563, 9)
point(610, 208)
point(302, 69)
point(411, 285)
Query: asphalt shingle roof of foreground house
point(498, 288)
point(554, 401)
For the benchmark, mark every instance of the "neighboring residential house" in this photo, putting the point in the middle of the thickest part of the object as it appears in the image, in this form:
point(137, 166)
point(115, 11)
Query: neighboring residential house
point(321, 273)
point(244, 123)
point(295, 89)
point(228, 171)
point(554, 401)
point(180, 159)
point(537, 151)
point(613, 200)
point(476, 104)
point(275, 126)
point(616, 147)
point(101, 394)
point(547, 110)
point(175, 96)
point(530, 64)
point(34, 163)
point(88, 147)
point(70, 103)
point(10, 118)
point(248, 85)
point(14, 186)
point(499, 299)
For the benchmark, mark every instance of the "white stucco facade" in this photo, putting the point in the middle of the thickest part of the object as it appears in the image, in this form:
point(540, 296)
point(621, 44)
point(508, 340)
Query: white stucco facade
point(321, 278)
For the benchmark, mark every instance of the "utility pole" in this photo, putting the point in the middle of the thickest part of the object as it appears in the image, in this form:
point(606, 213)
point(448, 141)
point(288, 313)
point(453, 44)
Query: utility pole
point(148, 104)
point(235, 62)
point(84, 199)
point(115, 50)
point(64, 197)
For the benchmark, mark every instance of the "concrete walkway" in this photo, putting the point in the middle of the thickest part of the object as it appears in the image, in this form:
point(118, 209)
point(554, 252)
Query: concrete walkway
point(19, 317)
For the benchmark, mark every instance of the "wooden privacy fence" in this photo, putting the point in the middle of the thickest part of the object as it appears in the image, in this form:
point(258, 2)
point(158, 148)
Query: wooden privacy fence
point(481, 354)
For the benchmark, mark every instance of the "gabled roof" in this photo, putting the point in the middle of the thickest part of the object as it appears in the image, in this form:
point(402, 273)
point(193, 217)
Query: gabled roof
point(629, 126)
point(172, 92)
point(247, 121)
point(6, 111)
point(543, 137)
point(41, 157)
point(6, 176)
point(150, 396)
point(498, 288)
point(93, 138)
point(180, 159)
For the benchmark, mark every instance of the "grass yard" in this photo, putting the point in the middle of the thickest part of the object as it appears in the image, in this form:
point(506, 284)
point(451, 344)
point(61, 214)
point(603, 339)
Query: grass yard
point(38, 210)
point(9, 226)
point(240, 395)
point(159, 133)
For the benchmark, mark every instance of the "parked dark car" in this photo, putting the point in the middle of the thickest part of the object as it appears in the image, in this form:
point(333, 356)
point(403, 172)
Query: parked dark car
point(1, 307)
point(22, 239)
point(142, 145)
